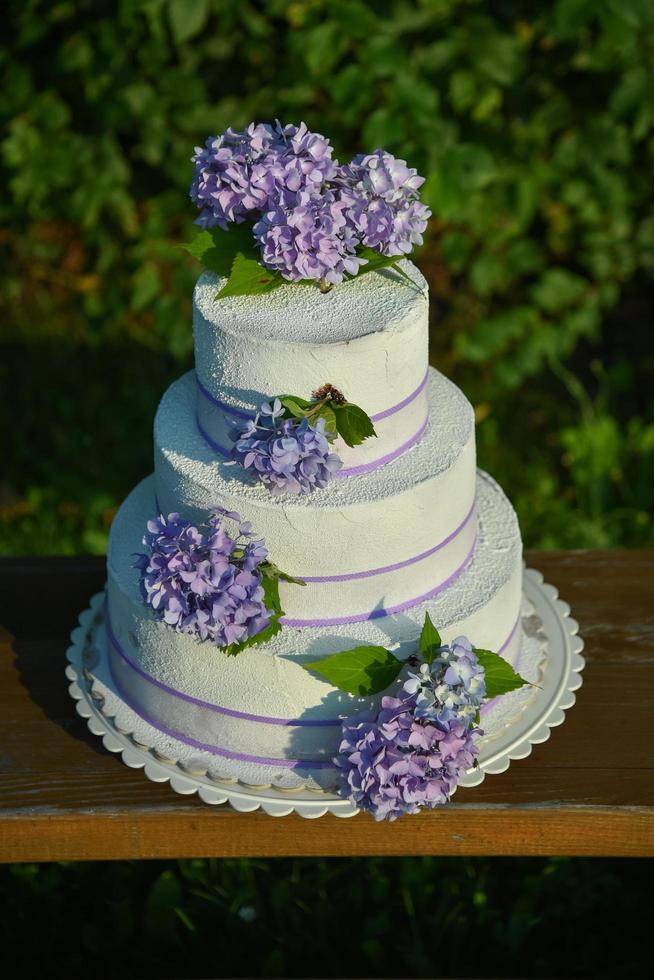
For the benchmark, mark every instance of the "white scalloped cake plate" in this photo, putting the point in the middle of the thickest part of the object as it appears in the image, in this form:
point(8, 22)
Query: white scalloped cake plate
point(559, 679)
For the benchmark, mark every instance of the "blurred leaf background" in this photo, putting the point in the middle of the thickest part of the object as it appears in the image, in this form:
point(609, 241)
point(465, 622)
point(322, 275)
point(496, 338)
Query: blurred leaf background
point(533, 122)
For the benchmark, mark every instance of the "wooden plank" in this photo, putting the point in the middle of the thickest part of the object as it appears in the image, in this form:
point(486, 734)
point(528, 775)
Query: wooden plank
point(588, 790)
point(182, 831)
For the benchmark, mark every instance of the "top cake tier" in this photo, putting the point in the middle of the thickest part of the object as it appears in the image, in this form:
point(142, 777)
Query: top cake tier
point(368, 337)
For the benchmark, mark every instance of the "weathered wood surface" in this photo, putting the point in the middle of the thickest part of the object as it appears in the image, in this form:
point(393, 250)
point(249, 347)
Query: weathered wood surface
point(588, 790)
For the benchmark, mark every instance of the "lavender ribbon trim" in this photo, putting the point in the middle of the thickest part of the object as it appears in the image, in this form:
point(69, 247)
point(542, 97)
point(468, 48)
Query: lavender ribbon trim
point(385, 611)
point(376, 463)
point(212, 442)
point(229, 712)
point(510, 636)
point(350, 576)
point(225, 753)
point(351, 471)
point(403, 404)
point(242, 413)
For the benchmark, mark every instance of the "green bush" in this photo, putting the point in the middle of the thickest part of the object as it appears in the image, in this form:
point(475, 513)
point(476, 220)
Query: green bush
point(534, 124)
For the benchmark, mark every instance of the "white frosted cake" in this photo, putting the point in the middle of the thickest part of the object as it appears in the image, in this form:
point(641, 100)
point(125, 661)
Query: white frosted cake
point(407, 526)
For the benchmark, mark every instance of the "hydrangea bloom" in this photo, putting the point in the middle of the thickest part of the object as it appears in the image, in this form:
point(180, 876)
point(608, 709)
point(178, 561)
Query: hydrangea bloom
point(383, 202)
point(413, 754)
point(400, 763)
point(309, 213)
point(452, 687)
point(288, 455)
point(237, 172)
point(203, 580)
point(309, 238)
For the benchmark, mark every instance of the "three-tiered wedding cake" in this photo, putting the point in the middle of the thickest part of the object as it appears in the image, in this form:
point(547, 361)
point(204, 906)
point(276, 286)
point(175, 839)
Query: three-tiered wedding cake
point(407, 526)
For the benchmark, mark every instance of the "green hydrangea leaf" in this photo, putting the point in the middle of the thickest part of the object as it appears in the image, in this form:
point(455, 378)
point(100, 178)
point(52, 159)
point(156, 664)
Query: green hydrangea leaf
point(216, 249)
point(352, 423)
point(396, 268)
point(430, 641)
point(362, 671)
point(295, 405)
point(249, 278)
point(300, 407)
point(500, 675)
point(327, 413)
point(374, 260)
point(200, 244)
point(269, 570)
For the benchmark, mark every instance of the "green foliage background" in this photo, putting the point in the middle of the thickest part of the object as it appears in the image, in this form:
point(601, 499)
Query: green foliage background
point(533, 123)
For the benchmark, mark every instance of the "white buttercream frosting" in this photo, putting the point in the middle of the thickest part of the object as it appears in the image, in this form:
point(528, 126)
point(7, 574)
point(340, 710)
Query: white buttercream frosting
point(368, 337)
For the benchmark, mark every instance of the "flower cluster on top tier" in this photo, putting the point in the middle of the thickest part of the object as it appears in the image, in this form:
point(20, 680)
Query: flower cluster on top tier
point(383, 203)
point(309, 213)
point(203, 580)
point(420, 744)
point(288, 455)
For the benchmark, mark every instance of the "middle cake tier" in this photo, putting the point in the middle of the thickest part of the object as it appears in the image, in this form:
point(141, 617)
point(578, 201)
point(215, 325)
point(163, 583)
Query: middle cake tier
point(375, 543)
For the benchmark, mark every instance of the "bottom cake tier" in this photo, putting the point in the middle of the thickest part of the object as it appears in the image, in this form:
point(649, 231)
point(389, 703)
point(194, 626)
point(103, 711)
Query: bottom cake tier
point(261, 713)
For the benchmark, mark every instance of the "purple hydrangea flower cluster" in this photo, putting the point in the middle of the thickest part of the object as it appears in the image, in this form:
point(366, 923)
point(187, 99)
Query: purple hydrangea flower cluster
point(240, 174)
point(288, 455)
point(452, 687)
point(204, 580)
point(420, 744)
point(383, 202)
point(309, 213)
point(312, 240)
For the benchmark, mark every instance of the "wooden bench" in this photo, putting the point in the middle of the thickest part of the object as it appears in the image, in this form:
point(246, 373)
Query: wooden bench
point(588, 790)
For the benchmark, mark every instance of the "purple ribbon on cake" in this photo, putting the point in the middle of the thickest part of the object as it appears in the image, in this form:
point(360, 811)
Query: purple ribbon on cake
point(241, 413)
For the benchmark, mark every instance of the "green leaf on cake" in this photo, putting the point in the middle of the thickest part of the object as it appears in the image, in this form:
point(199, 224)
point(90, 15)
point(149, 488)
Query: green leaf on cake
point(430, 641)
point(295, 405)
point(375, 260)
point(500, 675)
point(352, 423)
point(216, 249)
point(200, 245)
point(269, 570)
point(348, 421)
point(378, 261)
point(328, 413)
point(249, 278)
point(362, 671)
point(396, 268)
point(233, 255)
